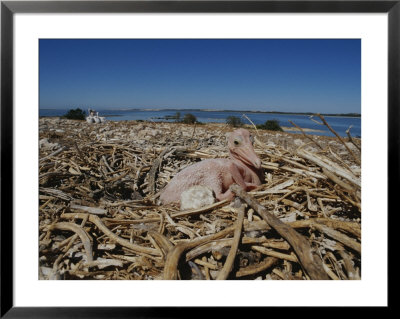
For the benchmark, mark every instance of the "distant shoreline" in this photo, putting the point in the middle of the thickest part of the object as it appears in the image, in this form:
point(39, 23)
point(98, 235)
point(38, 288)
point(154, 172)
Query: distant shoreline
point(295, 129)
point(351, 115)
point(356, 115)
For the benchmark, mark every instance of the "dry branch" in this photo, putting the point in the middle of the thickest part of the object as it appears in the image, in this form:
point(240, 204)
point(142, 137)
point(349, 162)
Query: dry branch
point(153, 170)
point(90, 210)
point(96, 220)
point(56, 193)
point(310, 261)
point(224, 273)
point(171, 264)
point(351, 139)
point(307, 136)
point(350, 227)
point(257, 268)
point(345, 240)
point(80, 232)
point(356, 158)
point(330, 166)
point(61, 149)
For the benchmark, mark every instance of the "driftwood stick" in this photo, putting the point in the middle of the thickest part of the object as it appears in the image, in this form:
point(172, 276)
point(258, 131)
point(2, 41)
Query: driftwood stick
point(171, 264)
point(307, 136)
point(203, 262)
point(311, 262)
point(125, 221)
point(79, 151)
point(274, 189)
point(348, 227)
point(102, 263)
point(255, 127)
point(56, 193)
point(194, 131)
point(153, 170)
point(137, 248)
point(269, 252)
point(302, 172)
point(351, 139)
point(330, 273)
point(69, 241)
point(211, 246)
point(221, 243)
point(224, 273)
point(352, 274)
point(80, 232)
point(330, 166)
point(357, 196)
point(256, 268)
point(200, 210)
point(341, 161)
point(61, 149)
point(345, 240)
point(337, 180)
point(88, 209)
point(162, 241)
point(106, 164)
point(96, 220)
point(206, 269)
point(356, 159)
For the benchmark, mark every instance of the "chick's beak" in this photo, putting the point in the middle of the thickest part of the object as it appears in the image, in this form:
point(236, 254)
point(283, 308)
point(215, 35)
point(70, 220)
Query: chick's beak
point(249, 156)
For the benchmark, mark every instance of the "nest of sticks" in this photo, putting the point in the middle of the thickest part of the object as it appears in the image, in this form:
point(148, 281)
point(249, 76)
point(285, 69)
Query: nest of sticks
point(99, 217)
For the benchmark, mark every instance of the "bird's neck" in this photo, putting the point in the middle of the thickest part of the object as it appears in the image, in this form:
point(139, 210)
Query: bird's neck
point(256, 173)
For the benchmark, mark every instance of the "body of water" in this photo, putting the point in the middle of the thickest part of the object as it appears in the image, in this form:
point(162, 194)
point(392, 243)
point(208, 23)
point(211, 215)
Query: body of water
point(339, 123)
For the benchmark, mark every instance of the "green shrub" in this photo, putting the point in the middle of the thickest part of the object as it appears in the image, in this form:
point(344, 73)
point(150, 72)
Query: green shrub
point(271, 125)
point(234, 121)
point(76, 114)
point(189, 119)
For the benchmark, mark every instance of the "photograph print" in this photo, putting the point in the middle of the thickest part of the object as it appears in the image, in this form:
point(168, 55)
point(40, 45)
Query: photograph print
point(199, 159)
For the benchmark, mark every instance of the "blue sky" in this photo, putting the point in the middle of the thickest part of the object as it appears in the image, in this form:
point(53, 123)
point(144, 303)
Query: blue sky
point(267, 75)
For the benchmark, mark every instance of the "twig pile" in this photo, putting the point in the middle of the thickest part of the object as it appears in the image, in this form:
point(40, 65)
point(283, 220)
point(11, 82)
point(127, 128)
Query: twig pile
point(99, 217)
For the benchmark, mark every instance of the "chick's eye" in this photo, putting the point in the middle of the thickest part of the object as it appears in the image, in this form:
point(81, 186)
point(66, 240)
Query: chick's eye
point(236, 142)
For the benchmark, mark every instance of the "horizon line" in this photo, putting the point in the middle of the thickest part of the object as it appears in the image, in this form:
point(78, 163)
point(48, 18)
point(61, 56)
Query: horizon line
point(197, 109)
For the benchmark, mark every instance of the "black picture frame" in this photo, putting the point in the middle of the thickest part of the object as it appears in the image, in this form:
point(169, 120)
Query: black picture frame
point(9, 8)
